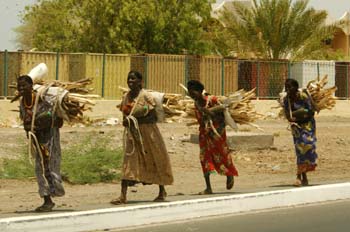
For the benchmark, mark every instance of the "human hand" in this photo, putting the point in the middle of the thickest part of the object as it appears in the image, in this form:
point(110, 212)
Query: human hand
point(126, 122)
point(206, 111)
point(293, 119)
point(27, 126)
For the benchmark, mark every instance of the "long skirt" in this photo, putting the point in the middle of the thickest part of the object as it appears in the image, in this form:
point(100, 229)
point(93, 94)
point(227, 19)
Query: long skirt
point(215, 154)
point(304, 137)
point(48, 163)
point(146, 159)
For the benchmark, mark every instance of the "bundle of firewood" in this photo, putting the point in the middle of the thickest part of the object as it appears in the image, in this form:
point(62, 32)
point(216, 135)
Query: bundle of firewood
point(178, 107)
point(70, 99)
point(240, 108)
point(76, 100)
point(79, 86)
point(323, 98)
point(172, 105)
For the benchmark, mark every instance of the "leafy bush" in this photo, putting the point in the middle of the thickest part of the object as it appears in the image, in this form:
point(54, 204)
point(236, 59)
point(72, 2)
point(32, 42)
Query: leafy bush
point(91, 164)
point(17, 168)
point(90, 161)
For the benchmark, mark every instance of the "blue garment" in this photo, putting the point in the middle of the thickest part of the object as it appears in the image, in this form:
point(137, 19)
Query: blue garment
point(304, 134)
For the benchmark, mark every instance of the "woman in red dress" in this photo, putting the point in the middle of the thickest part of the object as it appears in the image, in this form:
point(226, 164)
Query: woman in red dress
point(214, 152)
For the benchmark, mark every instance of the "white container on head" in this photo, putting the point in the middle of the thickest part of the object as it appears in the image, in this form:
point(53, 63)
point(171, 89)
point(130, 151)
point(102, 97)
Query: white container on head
point(38, 72)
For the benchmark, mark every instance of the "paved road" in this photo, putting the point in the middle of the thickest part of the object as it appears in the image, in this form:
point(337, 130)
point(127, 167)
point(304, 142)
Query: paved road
point(326, 217)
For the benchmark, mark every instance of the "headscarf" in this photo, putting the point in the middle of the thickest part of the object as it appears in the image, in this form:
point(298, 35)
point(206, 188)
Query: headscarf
point(26, 78)
point(195, 85)
point(136, 74)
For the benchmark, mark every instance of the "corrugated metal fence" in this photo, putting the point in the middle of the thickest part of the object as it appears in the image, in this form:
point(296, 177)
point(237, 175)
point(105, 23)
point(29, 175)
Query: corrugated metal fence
point(164, 72)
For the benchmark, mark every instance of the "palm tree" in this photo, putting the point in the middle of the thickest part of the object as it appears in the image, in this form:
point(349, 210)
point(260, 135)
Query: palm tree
point(278, 29)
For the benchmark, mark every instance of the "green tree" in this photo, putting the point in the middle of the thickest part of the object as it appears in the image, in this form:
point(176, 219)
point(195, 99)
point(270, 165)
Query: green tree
point(278, 29)
point(48, 25)
point(219, 40)
point(117, 26)
point(182, 26)
point(143, 26)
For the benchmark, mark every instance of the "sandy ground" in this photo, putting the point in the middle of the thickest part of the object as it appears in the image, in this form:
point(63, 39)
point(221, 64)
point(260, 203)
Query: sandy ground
point(259, 169)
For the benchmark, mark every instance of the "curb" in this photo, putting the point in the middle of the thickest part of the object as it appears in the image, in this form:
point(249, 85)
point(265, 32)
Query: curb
point(130, 216)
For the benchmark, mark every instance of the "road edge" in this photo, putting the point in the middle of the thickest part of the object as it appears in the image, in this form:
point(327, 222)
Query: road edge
point(131, 216)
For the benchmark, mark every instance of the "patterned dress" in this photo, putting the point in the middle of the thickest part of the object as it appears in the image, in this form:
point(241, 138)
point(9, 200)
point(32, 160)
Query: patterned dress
point(48, 158)
point(214, 151)
point(304, 134)
point(146, 159)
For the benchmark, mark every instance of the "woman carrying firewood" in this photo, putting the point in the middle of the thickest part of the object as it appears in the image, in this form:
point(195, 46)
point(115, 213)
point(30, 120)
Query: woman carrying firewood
point(299, 110)
point(42, 127)
point(146, 159)
point(214, 151)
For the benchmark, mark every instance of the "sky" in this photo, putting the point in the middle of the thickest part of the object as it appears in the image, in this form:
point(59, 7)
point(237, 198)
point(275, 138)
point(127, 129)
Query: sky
point(10, 10)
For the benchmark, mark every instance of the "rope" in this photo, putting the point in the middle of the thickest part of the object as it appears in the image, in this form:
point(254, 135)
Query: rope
point(313, 103)
point(210, 121)
point(31, 132)
point(33, 136)
point(38, 149)
point(127, 131)
point(213, 128)
point(289, 127)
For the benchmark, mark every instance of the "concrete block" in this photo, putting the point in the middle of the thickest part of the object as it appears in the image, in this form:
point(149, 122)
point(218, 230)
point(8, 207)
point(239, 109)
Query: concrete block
point(244, 140)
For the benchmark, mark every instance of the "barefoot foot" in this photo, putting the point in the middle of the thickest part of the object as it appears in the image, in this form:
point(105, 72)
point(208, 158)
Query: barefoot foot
point(118, 201)
point(46, 207)
point(206, 192)
point(297, 183)
point(230, 181)
point(161, 197)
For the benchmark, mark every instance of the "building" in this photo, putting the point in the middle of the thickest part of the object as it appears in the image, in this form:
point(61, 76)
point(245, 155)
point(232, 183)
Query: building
point(341, 39)
point(228, 4)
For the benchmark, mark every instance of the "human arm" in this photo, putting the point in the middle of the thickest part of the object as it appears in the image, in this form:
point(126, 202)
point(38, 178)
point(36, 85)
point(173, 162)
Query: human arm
point(303, 110)
point(47, 117)
point(144, 105)
point(130, 108)
point(302, 113)
point(140, 111)
point(143, 109)
point(214, 107)
point(287, 109)
point(306, 110)
point(212, 110)
point(43, 120)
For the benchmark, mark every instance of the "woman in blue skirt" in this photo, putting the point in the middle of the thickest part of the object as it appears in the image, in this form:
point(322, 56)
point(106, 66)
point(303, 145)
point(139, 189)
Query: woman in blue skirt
point(299, 110)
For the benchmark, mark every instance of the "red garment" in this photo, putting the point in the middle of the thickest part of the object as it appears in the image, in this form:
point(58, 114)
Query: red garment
point(126, 109)
point(214, 151)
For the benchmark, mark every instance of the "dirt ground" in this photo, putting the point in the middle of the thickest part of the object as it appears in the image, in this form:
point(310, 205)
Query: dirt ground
point(259, 169)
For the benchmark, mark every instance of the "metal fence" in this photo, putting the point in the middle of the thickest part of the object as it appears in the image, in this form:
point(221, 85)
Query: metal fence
point(164, 72)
